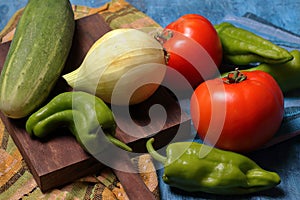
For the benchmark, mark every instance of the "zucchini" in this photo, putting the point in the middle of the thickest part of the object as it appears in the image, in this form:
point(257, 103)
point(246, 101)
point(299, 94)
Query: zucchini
point(36, 57)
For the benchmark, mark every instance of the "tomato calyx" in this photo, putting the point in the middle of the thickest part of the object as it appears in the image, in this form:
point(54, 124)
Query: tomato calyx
point(235, 77)
point(164, 36)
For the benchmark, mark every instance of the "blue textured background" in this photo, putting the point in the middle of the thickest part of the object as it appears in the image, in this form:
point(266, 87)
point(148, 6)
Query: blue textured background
point(283, 13)
point(283, 158)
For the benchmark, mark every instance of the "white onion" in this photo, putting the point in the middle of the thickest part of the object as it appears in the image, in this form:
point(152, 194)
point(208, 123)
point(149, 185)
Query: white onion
point(125, 66)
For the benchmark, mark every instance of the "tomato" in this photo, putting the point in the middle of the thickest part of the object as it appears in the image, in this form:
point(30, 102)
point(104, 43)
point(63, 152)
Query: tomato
point(248, 113)
point(193, 46)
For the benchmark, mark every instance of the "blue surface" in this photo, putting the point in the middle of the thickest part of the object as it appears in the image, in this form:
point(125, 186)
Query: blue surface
point(283, 158)
point(283, 13)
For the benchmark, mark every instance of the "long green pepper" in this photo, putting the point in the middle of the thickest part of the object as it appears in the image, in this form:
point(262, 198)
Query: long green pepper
point(286, 74)
point(196, 167)
point(83, 114)
point(242, 47)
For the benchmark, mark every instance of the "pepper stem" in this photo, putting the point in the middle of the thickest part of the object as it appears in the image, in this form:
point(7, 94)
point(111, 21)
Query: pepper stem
point(154, 153)
point(235, 77)
point(118, 143)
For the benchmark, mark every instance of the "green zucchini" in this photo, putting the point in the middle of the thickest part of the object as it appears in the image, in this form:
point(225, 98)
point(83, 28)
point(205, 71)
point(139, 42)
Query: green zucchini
point(36, 57)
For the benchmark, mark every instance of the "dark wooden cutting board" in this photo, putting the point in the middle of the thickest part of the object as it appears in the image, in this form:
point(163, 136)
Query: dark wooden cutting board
point(60, 159)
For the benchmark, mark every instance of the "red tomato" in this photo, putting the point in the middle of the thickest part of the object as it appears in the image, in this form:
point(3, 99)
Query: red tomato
point(193, 46)
point(247, 113)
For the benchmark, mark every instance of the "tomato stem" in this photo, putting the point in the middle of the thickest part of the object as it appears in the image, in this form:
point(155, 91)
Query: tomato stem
point(235, 77)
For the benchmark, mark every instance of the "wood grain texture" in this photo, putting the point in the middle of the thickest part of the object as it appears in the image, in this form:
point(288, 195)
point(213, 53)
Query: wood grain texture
point(59, 159)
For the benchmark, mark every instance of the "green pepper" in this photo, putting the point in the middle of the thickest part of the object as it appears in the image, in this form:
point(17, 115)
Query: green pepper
point(83, 114)
point(242, 47)
point(196, 167)
point(286, 74)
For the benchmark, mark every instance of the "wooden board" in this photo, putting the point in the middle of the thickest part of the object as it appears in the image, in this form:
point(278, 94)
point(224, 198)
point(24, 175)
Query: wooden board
point(60, 159)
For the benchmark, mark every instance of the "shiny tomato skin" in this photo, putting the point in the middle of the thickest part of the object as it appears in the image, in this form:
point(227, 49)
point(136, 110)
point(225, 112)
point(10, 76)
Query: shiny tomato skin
point(199, 29)
point(254, 111)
